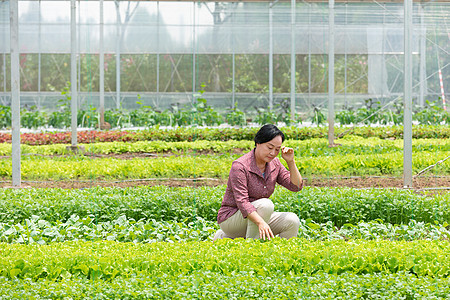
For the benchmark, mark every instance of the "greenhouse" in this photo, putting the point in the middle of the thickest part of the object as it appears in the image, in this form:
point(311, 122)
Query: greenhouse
point(242, 52)
point(224, 150)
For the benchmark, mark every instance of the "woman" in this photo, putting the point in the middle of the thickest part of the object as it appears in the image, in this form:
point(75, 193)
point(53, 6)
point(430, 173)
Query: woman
point(246, 209)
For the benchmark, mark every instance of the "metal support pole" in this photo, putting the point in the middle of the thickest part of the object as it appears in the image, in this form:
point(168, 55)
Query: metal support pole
point(101, 55)
point(233, 88)
point(292, 59)
point(331, 74)
point(118, 33)
point(73, 71)
point(233, 64)
point(4, 64)
point(345, 78)
point(423, 58)
point(78, 59)
point(193, 57)
point(157, 53)
point(407, 113)
point(270, 56)
point(383, 57)
point(4, 75)
point(39, 56)
point(345, 61)
point(309, 54)
point(15, 91)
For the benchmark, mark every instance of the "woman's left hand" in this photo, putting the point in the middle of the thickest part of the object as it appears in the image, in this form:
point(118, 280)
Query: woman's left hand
point(287, 154)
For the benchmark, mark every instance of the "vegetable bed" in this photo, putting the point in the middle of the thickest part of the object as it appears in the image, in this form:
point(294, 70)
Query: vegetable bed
point(338, 205)
point(239, 268)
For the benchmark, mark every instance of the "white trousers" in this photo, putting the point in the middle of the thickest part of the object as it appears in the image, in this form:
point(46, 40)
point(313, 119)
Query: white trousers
point(283, 224)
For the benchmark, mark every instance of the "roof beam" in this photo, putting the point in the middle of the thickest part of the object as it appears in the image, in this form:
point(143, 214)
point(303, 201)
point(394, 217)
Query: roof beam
point(303, 1)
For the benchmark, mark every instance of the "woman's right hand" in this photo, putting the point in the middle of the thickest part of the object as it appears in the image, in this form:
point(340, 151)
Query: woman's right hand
point(265, 231)
point(264, 228)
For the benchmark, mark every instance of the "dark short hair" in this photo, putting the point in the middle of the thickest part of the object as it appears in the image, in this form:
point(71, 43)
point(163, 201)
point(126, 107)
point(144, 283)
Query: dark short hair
point(267, 133)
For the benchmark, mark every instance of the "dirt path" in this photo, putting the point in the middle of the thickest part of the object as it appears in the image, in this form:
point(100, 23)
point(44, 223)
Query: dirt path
point(353, 182)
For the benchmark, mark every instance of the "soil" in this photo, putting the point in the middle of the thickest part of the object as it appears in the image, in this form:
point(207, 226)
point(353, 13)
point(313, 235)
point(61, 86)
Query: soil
point(437, 184)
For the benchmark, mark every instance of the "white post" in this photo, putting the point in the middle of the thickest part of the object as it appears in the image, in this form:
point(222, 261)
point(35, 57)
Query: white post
point(118, 33)
point(292, 59)
point(15, 91)
point(193, 57)
point(157, 53)
point(270, 56)
point(407, 114)
point(309, 53)
point(233, 87)
point(233, 64)
point(423, 61)
point(39, 56)
point(73, 71)
point(345, 61)
point(101, 55)
point(331, 73)
point(4, 56)
point(4, 73)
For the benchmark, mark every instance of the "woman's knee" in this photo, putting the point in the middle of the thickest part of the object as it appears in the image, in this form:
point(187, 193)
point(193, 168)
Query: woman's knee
point(293, 220)
point(264, 206)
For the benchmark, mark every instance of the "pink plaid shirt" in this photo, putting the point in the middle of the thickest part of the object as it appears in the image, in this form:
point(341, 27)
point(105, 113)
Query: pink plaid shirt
point(246, 184)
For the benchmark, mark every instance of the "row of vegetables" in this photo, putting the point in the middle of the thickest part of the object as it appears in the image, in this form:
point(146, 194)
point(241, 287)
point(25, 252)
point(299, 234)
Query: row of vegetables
point(234, 269)
point(204, 284)
point(351, 144)
point(122, 229)
point(147, 166)
point(161, 203)
point(180, 134)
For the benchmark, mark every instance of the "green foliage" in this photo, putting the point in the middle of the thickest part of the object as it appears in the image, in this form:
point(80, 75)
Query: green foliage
point(32, 118)
point(89, 117)
point(200, 113)
point(346, 116)
point(84, 167)
point(349, 145)
point(40, 231)
point(278, 258)
point(207, 284)
point(120, 118)
point(265, 116)
point(61, 118)
point(433, 114)
point(236, 117)
point(374, 230)
point(247, 83)
point(318, 117)
point(145, 116)
point(322, 205)
point(5, 116)
point(203, 113)
point(181, 134)
point(372, 113)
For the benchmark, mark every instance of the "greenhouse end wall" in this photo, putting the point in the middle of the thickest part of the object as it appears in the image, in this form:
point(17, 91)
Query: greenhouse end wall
point(167, 53)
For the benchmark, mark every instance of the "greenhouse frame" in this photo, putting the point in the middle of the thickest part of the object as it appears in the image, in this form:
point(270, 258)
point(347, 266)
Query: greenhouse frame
point(241, 51)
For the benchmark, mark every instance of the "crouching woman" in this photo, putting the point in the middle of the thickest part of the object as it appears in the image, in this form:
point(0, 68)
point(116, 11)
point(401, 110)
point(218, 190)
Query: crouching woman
point(246, 209)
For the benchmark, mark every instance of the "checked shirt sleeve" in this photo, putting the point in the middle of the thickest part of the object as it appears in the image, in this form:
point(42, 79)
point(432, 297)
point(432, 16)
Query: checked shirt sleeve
point(239, 186)
point(284, 179)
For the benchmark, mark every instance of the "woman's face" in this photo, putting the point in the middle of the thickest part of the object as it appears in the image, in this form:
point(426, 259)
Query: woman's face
point(268, 151)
